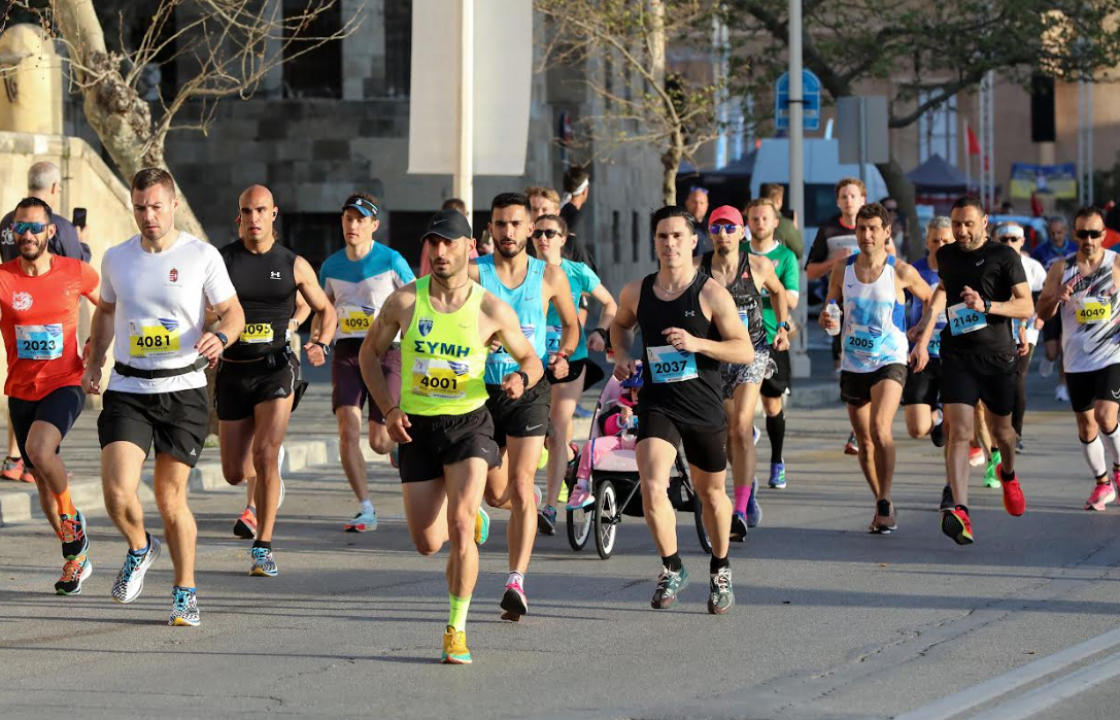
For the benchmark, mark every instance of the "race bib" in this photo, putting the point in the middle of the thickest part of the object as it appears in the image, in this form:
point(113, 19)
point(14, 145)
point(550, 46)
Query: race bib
point(153, 337)
point(963, 320)
point(669, 365)
point(1093, 309)
point(934, 346)
point(439, 378)
point(553, 335)
point(354, 319)
point(255, 333)
point(744, 318)
point(862, 340)
point(39, 342)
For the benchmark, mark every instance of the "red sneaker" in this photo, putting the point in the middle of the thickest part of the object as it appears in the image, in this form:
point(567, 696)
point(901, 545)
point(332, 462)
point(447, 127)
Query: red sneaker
point(1013, 501)
point(956, 524)
point(12, 468)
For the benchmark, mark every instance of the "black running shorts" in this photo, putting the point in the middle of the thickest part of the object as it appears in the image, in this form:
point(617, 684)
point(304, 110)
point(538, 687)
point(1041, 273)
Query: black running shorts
point(60, 408)
point(175, 421)
point(855, 387)
point(923, 388)
point(239, 387)
point(968, 377)
point(439, 440)
point(525, 417)
point(704, 446)
point(575, 372)
point(1085, 388)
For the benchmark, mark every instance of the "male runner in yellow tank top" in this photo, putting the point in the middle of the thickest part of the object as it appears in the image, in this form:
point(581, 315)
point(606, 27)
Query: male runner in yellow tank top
point(446, 435)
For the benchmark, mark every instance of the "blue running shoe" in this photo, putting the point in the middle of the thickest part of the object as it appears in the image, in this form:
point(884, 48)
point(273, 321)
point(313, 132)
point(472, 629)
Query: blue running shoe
point(778, 475)
point(754, 510)
point(264, 565)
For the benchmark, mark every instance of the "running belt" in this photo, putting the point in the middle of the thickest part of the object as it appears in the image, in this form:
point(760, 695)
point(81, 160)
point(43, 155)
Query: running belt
point(129, 371)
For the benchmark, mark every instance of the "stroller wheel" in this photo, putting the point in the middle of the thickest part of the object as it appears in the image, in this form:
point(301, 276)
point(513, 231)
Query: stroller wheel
point(579, 527)
point(606, 512)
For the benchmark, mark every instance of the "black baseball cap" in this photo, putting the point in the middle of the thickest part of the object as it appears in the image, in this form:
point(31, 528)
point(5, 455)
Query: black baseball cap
point(449, 225)
point(362, 205)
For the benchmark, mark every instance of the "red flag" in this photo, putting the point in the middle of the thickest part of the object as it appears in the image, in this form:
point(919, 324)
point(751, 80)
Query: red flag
point(973, 143)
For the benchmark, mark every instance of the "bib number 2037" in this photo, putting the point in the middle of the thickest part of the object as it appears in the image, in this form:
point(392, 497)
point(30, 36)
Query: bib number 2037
point(667, 364)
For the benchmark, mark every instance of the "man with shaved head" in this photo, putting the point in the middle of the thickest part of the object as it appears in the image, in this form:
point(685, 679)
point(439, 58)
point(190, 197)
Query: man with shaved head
point(258, 375)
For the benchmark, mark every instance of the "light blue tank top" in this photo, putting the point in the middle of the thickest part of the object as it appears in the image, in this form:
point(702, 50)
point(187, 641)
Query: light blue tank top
point(874, 332)
point(527, 301)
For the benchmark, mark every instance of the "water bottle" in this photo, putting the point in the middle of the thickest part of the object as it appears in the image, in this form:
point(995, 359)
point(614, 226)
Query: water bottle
point(833, 313)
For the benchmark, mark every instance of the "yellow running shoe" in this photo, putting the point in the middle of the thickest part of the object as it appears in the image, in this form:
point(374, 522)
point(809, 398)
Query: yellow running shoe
point(455, 650)
point(542, 463)
point(481, 526)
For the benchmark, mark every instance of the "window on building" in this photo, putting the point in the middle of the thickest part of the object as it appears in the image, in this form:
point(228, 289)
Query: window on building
point(398, 48)
point(312, 235)
point(937, 131)
point(616, 236)
point(635, 237)
point(317, 73)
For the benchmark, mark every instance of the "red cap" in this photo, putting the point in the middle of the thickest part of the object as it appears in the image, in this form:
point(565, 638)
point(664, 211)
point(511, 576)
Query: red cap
point(727, 213)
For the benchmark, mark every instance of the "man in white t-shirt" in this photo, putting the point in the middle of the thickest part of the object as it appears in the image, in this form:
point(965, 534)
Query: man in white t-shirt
point(155, 287)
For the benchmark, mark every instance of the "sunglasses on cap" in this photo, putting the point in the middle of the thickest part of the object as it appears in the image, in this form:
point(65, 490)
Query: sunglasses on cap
point(360, 203)
point(546, 232)
point(1009, 239)
point(22, 227)
point(727, 228)
point(1086, 234)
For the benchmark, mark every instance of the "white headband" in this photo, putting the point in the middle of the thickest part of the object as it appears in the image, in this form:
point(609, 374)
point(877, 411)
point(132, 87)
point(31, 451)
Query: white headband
point(579, 188)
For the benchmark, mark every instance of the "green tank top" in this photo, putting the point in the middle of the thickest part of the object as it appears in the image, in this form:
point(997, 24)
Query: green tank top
point(442, 357)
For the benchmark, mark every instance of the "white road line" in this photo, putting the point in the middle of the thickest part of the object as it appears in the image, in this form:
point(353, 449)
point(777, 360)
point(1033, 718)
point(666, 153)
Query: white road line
point(993, 688)
point(1054, 692)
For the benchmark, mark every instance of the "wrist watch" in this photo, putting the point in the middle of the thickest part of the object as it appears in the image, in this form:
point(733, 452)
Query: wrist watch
point(987, 305)
point(222, 338)
point(524, 378)
point(783, 325)
point(326, 348)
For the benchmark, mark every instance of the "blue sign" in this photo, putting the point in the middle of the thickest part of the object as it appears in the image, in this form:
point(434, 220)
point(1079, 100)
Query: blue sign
point(811, 101)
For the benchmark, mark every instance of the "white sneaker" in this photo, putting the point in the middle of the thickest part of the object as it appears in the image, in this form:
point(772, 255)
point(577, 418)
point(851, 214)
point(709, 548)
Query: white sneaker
point(1061, 394)
point(1045, 368)
point(130, 580)
point(362, 521)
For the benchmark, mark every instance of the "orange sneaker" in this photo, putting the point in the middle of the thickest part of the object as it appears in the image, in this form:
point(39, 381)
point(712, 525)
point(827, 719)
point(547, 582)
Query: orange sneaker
point(12, 468)
point(1013, 501)
point(956, 524)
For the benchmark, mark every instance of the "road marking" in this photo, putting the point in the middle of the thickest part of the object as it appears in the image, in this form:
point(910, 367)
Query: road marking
point(1054, 692)
point(959, 703)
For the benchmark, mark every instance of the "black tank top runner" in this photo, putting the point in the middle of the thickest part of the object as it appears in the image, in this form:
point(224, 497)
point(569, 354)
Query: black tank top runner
point(687, 388)
point(266, 287)
point(746, 295)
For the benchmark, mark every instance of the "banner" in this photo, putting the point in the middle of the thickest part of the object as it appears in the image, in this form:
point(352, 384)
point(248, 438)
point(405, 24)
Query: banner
point(503, 67)
point(1059, 181)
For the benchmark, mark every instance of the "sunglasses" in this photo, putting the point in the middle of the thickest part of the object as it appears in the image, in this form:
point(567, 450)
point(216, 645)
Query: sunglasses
point(1086, 234)
point(361, 202)
point(22, 227)
point(727, 228)
point(547, 233)
point(1005, 239)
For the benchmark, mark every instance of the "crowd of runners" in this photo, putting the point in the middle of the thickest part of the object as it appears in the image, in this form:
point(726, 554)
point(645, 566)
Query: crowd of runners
point(468, 376)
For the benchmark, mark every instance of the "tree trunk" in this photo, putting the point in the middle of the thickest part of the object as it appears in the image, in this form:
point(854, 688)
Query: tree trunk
point(901, 189)
point(122, 121)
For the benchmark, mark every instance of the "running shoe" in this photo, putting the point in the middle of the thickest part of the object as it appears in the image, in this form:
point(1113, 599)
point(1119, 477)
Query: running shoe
point(1013, 501)
point(851, 447)
point(538, 496)
point(130, 580)
point(73, 535)
point(264, 565)
point(1103, 493)
point(26, 477)
point(669, 585)
point(184, 607)
point(542, 461)
point(1116, 476)
point(955, 524)
point(582, 412)
point(991, 478)
point(778, 475)
point(455, 650)
point(546, 520)
point(884, 522)
point(738, 527)
point(937, 434)
point(1046, 368)
point(1061, 394)
point(246, 524)
point(364, 520)
point(12, 468)
point(947, 502)
point(975, 456)
point(74, 573)
point(720, 594)
point(514, 603)
point(754, 510)
point(1019, 445)
point(756, 434)
point(481, 526)
point(581, 496)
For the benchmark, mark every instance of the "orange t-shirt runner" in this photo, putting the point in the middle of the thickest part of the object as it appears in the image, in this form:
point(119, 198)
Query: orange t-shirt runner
point(39, 322)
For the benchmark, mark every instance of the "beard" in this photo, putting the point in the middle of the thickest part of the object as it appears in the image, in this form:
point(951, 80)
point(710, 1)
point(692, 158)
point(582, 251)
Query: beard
point(509, 252)
point(33, 253)
point(723, 251)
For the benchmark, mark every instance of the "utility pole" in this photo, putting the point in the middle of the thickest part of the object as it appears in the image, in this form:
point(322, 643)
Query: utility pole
point(799, 359)
point(462, 180)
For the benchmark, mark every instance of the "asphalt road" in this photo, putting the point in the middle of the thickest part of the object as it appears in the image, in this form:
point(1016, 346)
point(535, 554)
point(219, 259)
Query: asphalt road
point(829, 623)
